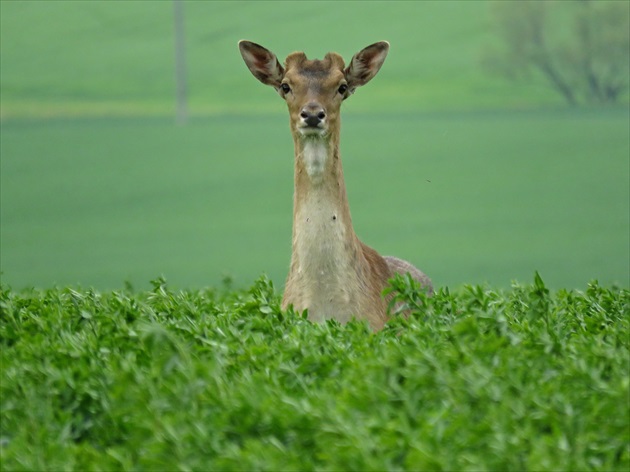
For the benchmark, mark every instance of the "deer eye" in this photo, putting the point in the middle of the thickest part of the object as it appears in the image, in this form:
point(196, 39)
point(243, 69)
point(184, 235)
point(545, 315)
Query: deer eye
point(343, 88)
point(285, 88)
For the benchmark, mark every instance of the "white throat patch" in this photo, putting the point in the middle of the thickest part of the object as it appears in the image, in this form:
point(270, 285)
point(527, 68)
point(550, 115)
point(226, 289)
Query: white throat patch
point(315, 155)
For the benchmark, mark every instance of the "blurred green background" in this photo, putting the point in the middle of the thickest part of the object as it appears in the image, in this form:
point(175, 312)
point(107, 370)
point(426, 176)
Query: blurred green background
point(471, 176)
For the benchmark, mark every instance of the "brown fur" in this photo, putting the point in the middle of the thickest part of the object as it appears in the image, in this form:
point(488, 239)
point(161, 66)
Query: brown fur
point(332, 273)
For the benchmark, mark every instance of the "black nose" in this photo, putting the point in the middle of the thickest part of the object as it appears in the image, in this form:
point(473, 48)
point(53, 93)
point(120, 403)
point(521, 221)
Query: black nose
point(312, 115)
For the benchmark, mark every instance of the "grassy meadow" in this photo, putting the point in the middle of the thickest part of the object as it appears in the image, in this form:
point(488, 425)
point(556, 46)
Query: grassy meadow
point(105, 201)
point(472, 178)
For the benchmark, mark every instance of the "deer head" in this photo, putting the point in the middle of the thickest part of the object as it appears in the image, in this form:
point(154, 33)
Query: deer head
point(314, 89)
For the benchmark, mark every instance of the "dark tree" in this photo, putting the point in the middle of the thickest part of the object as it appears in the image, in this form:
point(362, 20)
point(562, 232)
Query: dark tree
point(581, 48)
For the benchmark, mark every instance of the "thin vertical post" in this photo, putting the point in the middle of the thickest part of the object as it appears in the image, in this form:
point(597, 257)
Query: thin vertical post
point(181, 89)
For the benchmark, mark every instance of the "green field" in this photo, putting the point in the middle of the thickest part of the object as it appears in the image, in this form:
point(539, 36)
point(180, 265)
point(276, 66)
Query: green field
point(217, 379)
point(104, 58)
point(472, 178)
point(479, 200)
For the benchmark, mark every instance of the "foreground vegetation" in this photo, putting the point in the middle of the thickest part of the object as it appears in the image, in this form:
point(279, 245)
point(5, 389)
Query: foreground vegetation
point(220, 379)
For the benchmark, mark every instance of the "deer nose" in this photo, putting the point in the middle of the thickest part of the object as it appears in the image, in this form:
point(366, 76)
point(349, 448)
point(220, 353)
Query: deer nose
point(312, 114)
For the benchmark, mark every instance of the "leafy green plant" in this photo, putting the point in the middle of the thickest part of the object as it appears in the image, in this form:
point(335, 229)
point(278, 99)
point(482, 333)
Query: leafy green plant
point(222, 379)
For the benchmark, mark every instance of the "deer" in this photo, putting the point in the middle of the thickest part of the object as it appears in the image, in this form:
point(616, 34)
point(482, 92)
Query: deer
point(332, 274)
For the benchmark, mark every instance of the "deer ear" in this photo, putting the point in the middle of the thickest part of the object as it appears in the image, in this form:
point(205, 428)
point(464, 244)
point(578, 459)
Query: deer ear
point(366, 63)
point(262, 63)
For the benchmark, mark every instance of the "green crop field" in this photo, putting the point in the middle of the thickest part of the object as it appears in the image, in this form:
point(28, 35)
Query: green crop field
point(116, 58)
point(469, 198)
point(475, 379)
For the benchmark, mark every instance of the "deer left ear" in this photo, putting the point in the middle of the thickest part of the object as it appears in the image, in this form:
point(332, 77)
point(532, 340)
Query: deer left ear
point(262, 63)
point(366, 63)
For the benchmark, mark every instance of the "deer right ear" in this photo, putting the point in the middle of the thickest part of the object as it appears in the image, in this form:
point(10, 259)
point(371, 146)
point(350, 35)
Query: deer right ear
point(366, 63)
point(262, 63)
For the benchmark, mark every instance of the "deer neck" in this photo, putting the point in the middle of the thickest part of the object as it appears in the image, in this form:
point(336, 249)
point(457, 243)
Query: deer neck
point(324, 241)
point(320, 199)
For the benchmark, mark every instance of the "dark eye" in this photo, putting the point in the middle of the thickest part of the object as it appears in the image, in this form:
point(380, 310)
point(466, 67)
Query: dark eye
point(285, 88)
point(343, 88)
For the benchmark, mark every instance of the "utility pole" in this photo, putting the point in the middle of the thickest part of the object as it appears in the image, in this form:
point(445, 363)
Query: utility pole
point(181, 90)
